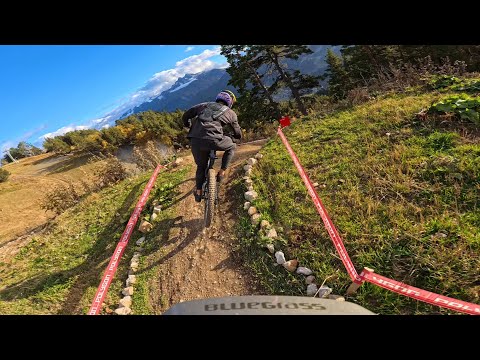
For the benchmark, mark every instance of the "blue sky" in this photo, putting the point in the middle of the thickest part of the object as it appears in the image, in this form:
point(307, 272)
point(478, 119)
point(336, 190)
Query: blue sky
point(47, 90)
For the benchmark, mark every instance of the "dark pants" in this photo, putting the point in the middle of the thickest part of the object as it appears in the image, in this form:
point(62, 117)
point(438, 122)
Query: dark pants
point(200, 150)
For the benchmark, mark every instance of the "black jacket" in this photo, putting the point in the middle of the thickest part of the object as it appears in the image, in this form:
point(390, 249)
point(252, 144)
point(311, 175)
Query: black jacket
point(205, 121)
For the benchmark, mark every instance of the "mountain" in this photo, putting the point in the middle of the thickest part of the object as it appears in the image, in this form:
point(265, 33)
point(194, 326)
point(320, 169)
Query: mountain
point(187, 91)
point(195, 88)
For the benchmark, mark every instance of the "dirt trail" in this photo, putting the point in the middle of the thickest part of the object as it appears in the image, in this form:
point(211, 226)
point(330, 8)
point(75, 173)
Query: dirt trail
point(199, 262)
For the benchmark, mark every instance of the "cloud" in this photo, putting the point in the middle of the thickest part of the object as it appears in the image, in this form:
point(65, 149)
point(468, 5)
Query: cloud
point(190, 48)
point(63, 130)
point(157, 84)
point(7, 145)
point(164, 80)
point(14, 143)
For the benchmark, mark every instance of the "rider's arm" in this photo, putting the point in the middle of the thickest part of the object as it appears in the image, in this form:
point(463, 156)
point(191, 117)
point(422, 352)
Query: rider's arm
point(236, 128)
point(190, 113)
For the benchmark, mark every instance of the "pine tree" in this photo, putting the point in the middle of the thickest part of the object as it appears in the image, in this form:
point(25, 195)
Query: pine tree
point(336, 75)
point(273, 56)
point(243, 70)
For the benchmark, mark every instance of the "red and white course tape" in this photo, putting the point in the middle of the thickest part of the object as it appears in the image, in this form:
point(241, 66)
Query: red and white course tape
point(332, 231)
point(367, 275)
point(122, 244)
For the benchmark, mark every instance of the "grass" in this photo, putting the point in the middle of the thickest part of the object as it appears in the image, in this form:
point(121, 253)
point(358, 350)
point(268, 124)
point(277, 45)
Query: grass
point(58, 272)
point(403, 193)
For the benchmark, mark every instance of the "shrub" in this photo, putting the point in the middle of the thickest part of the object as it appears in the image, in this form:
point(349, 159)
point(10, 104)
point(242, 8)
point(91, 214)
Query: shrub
point(462, 105)
point(60, 198)
point(4, 174)
point(147, 157)
point(111, 172)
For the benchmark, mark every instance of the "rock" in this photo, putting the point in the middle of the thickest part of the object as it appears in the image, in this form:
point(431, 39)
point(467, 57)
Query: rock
point(123, 311)
point(140, 241)
point(388, 134)
point(155, 202)
point(264, 224)
point(248, 172)
point(132, 271)
point(336, 297)
point(145, 227)
point(290, 265)
point(310, 279)
point(248, 182)
point(324, 291)
point(252, 210)
point(280, 256)
point(128, 291)
point(136, 254)
point(315, 184)
point(258, 156)
point(272, 233)
point(157, 209)
point(154, 216)
point(135, 257)
point(178, 161)
point(246, 206)
point(250, 188)
point(132, 279)
point(256, 218)
point(271, 248)
point(134, 262)
point(251, 195)
point(251, 161)
point(312, 289)
point(304, 271)
point(247, 167)
point(126, 302)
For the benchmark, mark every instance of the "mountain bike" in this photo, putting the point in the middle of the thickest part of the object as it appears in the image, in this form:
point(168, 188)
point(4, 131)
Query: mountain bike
point(210, 189)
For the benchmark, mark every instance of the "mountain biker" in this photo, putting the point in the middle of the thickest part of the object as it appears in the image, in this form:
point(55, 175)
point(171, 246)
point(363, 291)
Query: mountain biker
point(205, 121)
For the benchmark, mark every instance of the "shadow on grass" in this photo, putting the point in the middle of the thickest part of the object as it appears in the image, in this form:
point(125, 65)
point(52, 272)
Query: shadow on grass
point(70, 164)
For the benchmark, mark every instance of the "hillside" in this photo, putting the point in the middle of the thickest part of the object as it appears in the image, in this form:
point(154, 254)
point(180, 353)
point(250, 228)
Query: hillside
point(21, 196)
point(57, 271)
point(402, 191)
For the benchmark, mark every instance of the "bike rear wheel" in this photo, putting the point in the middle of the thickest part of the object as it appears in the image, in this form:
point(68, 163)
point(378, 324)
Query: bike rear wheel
point(211, 196)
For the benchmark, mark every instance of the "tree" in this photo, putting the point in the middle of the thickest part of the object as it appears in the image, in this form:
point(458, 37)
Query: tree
point(23, 150)
point(56, 145)
point(336, 75)
point(244, 75)
point(274, 56)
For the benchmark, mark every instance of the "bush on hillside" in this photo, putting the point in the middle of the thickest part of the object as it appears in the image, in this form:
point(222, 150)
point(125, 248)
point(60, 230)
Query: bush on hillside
point(60, 198)
point(462, 105)
point(147, 157)
point(4, 174)
point(111, 172)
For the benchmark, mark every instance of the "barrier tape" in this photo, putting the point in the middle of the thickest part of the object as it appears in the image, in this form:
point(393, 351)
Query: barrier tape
point(122, 244)
point(422, 295)
point(332, 231)
point(366, 274)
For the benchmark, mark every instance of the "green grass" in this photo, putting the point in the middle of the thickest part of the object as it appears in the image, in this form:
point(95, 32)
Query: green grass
point(58, 272)
point(403, 193)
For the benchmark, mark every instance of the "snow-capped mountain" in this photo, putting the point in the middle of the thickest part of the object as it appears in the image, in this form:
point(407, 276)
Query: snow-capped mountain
point(192, 89)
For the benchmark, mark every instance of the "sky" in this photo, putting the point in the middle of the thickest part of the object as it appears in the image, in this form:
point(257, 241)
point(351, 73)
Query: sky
point(48, 90)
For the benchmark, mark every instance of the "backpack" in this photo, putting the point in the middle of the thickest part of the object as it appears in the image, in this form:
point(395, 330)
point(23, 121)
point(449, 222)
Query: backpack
point(211, 112)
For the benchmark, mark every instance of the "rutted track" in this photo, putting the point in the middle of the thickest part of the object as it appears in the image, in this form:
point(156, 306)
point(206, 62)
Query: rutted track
point(199, 263)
